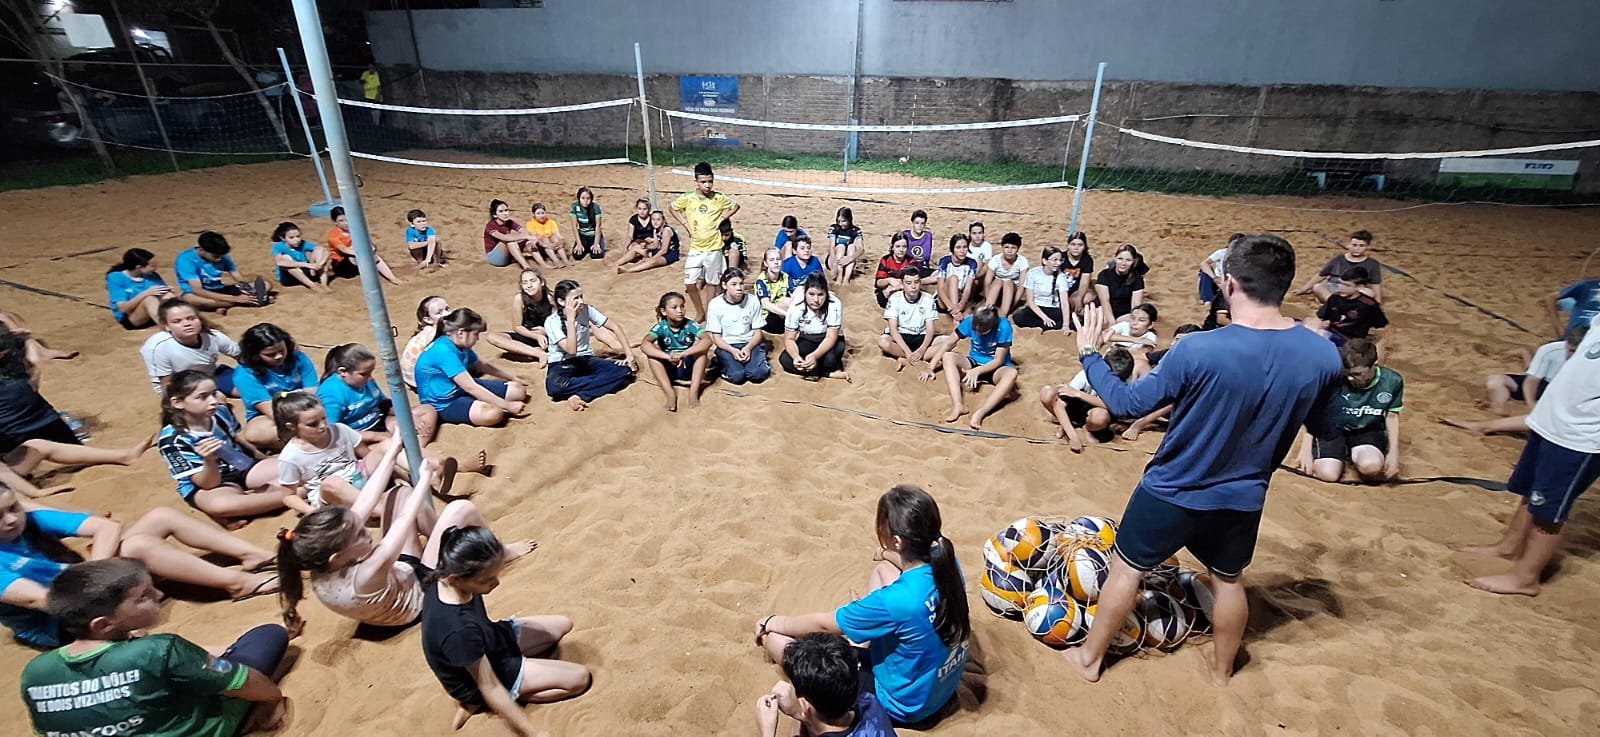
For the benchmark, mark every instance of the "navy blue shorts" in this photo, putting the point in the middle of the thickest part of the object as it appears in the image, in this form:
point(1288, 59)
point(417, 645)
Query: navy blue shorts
point(1154, 529)
point(1552, 478)
point(459, 410)
point(1517, 381)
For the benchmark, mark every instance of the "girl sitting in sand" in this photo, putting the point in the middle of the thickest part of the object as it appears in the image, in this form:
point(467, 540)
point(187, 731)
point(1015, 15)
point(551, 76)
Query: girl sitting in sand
point(576, 374)
point(135, 289)
point(299, 261)
point(505, 241)
point(270, 364)
point(488, 665)
point(776, 291)
point(351, 396)
point(217, 472)
point(813, 335)
point(321, 462)
point(548, 247)
point(449, 376)
point(845, 239)
point(533, 303)
point(913, 619)
point(891, 267)
point(660, 249)
point(1003, 289)
point(1046, 295)
point(375, 583)
point(32, 555)
point(588, 222)
point(429, 310)
point(32, 431)
point(678, 350)
point(186, 342)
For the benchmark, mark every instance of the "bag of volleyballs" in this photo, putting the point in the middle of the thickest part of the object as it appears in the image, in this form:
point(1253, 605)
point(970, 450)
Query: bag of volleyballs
point(1129, 638)
point(1194, 590)
point(1166, 620)
point(1005, 585)
point(1102, 530)
point(1031, 542)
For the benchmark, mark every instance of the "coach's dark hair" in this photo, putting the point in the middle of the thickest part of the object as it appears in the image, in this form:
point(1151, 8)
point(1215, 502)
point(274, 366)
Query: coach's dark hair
point(282, 230)
point(703, 169)
point(87, 591)
point(213, 243)
point(495, 205)
point(132, 258)
point(1263, 266)
point(460, 318)
point(259, 338)
point(465, 552)
point(1359, 352)
point(825, 672)
point(1120, 361)
point(911, 514)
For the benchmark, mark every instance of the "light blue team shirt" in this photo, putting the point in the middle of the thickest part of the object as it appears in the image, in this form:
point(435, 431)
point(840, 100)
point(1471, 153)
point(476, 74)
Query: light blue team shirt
point(296, 373)
point(984, 347)
point(301, 255)
point(361, 408)
point(21, 561)
point(437, 368)
point(416, 238)
point(120, 288)
point(189, 265)
point(1585, 301)
point(914, 671)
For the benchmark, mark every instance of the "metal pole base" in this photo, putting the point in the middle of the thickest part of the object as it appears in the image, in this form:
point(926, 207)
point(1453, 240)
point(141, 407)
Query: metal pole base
point(322, 208)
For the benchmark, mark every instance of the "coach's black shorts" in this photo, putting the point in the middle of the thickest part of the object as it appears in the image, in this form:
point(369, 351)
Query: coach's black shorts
point(1154, 529)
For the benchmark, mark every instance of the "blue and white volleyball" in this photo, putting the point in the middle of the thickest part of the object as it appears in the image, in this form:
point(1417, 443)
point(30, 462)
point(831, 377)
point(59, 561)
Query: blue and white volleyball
point(1005, 589)
point(1130, 637)
point(1101, 529)
point(1195, 589)
point(1166, 620)
point(1056, 621)
point(1086, 568)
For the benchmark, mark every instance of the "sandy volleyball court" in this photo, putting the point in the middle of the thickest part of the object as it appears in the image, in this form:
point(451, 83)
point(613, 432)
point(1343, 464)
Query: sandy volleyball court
point(667, 536)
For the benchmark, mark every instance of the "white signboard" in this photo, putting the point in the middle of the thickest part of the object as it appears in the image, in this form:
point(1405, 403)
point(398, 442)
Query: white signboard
point(1541, 167)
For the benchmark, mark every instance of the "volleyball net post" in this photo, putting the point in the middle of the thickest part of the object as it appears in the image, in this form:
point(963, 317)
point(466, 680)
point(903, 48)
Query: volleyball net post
point(1088, 143)
point(319, 209)
point(327, 98)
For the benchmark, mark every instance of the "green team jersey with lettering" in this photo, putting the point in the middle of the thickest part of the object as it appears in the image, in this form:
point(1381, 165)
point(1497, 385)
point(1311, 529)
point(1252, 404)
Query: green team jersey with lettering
point(155, 686)
point(1355, 410)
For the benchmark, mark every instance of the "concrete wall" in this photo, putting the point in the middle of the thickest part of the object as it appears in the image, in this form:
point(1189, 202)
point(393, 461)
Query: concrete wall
point(1439, 44)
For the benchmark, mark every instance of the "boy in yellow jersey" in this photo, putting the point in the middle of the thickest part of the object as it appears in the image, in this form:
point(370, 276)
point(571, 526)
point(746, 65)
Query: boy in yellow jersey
point(701, 213)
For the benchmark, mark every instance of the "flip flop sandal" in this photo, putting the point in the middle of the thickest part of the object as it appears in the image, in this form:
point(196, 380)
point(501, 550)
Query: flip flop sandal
point(257, 591)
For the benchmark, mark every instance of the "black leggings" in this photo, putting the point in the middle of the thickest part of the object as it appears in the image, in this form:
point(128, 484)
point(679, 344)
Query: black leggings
point(827, 363)
point(1024, 317)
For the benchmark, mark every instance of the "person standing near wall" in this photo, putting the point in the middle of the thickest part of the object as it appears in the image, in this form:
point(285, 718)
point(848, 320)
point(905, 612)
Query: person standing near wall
point(372, 89)
point(1240, 395)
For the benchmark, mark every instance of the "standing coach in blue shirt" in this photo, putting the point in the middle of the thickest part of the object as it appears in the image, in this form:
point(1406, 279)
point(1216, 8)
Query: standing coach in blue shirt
point(1240, 395)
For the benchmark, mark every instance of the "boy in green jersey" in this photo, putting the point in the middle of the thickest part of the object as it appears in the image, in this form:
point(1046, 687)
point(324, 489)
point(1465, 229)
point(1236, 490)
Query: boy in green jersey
point(1366, 421)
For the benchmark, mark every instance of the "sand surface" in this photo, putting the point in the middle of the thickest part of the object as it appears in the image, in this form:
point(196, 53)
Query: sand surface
point(667, 536)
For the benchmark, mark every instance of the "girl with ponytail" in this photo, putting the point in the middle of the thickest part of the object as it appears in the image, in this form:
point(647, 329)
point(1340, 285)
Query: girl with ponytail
point(377, 583)
point(914, 618)
point(135, 289)
point(484, 664)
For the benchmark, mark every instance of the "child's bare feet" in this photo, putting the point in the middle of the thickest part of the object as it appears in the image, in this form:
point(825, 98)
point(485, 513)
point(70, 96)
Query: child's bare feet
point(842, 375)
point(445, 479)
point(694, 400)
point(899, 365)
point(268, 717)
point(460, 719)
point(1490, 550)
point(475, 463)
point(955, 413)
point(520, 548)
point(1468, 425)
point(672, 403)
point(1078, 659)
point(577, 404)
point(1132, 433)
point(1505, 583)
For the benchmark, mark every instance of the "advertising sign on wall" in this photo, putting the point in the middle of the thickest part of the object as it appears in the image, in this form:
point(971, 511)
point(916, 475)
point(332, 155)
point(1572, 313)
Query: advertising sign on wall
point(709, 96)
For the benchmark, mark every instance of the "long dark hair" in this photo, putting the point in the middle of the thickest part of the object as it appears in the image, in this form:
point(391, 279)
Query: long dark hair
point(13, 355)
point(564, 288)
point(819, 280)
point(494, 206)
point(261, 337)
point(460, 318)
point(465, 552)
point(282, 230)
point(315, 539)
point(132, 258)
point(1139, 266)
point(911, 514)
point(180, 385)
point(578, 200)
point(349, 357)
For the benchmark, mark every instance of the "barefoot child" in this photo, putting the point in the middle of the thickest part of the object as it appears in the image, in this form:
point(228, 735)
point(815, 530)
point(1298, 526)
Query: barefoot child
point(1003, 288)
point(893, 263)
point(270, 364)
point(701, 213)
point(200, 271)
point(958, 275)
point(1366, 421)
point(488, 665)
point(423, 241)
point(186, 342)
point(342, 251)
point(135, 289)
point(813, 332)
point(823, 692)
point(299, 261)
point(988, 360)
point(845, 240)
point(776, 291)
point(505, 241)
point(913, 619)
point(217, 472)
point(1046, 295)
point(911, 316)
point(533, 304)
point(351, 396)
point(33, 556)
point(576, 374)
point(588, 220)
point(169, 685)
point(660, 249)
point(375, 583)
point(321, 462)
point(1078, 264)
point(548, 247)
point(734, 326)
point(449, 376)
point(1526, 389)
point(1076, 406)
point(678, 350)
point(429, 310)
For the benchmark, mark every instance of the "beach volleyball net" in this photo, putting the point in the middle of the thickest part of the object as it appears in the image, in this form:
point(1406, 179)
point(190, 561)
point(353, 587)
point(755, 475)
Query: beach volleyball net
point(244, 124)
point(590, 133)
point(909, 156)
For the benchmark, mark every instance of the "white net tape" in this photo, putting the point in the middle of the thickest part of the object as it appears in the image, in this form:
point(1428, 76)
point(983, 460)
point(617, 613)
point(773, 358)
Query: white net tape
point(856, 128)
point(1356, 155)
point(471, 111)
point(460, 165)
point(877, 190)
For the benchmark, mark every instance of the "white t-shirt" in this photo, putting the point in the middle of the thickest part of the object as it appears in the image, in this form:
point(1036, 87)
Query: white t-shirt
point(963, 271)
point(1548, 360)
point(1009, 272)
point(557, 332)
point(165, 356)
point(912, 317)
point(1219, 261)
point(982, 252)
point(806, 322)
point(736, 323)
point(1080, 382)
point(1046, 289)
point(1569, 412)
point(1126, 330)
point(299, 463)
